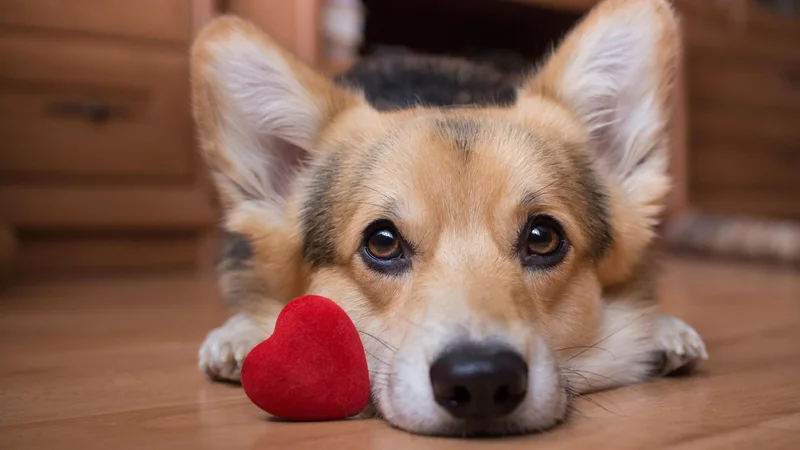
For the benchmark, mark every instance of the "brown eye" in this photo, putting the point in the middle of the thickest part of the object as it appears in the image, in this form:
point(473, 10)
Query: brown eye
point(384, 244)
point(543, 240)
point(542, 243)
point(384, 250)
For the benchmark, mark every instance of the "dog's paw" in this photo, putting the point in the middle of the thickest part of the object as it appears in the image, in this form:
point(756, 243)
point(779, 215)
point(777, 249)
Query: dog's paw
point(225, 348)
point(681, 348)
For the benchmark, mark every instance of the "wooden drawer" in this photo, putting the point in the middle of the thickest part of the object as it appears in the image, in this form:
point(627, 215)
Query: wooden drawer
point(71, 253)
point(65, 207)
point(743, 86)
point(83, 107)
point(746, 165)
point(168, 20)
point(718, 80)
point(771, 204)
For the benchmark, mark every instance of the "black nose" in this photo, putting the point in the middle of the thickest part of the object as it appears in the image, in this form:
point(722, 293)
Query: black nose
point(479, 382)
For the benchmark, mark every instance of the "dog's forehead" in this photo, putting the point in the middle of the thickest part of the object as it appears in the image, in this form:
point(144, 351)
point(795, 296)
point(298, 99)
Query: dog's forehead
point(435, 170)
point(452, 154)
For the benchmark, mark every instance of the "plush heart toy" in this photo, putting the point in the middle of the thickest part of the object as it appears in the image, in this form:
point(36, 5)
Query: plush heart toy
point(313, 366)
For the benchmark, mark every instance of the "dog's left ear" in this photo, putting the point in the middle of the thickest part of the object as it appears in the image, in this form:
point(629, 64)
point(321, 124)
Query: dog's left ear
point(615, 73)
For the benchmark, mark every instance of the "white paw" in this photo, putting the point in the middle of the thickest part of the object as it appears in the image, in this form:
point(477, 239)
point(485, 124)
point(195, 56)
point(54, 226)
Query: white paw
point(225, 348)
point(683, 348)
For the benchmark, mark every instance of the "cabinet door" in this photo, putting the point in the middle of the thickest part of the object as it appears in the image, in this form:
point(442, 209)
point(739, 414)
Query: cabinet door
point(157, 20)
point(74, 107)
point(743, 81)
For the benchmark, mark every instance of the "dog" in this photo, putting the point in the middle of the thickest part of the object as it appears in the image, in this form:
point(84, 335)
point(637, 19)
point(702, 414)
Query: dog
point(492, 239)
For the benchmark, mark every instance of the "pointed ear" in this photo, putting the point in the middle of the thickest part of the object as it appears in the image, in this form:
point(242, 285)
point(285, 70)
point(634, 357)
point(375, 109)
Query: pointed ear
point(615, 72)
point(259, 112)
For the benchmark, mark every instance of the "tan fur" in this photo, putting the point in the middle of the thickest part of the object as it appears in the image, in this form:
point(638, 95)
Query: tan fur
point(462, 208)
point(634, 221)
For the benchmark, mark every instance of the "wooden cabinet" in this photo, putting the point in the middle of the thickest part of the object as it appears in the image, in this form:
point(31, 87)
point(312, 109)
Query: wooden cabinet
point(743, 89)
point(98, 167)
point(152, 20)
point(94, 108)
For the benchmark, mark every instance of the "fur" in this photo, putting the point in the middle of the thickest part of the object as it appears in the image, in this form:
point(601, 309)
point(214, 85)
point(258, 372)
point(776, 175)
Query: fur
point(457, 157)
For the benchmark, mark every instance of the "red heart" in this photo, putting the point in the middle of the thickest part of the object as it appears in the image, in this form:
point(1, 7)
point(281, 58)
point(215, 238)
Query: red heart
point(313, 366)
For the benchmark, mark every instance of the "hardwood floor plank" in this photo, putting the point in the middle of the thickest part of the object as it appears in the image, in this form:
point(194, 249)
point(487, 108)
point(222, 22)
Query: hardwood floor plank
point(112, 364)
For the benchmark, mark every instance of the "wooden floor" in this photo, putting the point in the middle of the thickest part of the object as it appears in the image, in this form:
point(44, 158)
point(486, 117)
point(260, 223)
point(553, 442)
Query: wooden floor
point(111, 365)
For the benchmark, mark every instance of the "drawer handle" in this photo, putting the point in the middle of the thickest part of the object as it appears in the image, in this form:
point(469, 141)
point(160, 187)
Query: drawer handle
point(94, 111)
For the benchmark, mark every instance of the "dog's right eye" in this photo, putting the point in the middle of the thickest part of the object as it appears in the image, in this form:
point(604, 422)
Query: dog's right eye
point(384, 244)
point(383, 249)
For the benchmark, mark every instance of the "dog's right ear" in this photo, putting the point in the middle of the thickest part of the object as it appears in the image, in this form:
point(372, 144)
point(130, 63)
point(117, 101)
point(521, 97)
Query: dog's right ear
point(259, 112)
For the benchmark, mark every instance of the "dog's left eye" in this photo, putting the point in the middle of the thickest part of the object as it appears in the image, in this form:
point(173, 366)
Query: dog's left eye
point(542, 242)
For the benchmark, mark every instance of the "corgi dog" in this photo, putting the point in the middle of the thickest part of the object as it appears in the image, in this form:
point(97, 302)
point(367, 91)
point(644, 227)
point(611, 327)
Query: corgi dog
point(490, 238)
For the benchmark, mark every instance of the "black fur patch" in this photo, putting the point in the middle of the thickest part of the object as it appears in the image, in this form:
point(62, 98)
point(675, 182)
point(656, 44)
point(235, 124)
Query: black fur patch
point(319, 240)
point(403, 81)
point(236, 252)
point(461, 132)
point(597, 220)
point(376, 154)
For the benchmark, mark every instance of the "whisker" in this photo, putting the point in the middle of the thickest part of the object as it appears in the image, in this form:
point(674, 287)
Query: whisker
point(580, 375)
point(596, 403)
point(587, 347)
point(412, 323)
point(573, 410)
point(390, 347)
point(612, 334)
point(599, 375)
point(376, 358)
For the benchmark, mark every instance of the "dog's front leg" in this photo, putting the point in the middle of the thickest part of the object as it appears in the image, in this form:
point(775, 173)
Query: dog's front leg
point(679, 346)
point(225, 348)
point(244, 286)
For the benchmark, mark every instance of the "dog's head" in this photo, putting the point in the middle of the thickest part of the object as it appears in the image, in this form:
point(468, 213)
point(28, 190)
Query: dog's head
point(469, 245)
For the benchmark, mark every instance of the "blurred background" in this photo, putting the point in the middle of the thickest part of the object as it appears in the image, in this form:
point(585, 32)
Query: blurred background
point(99, 171)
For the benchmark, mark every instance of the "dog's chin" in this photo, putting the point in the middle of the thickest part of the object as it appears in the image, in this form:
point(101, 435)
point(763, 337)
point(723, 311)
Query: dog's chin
point(520, 423)
point(476, 428)
point(405, 400)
